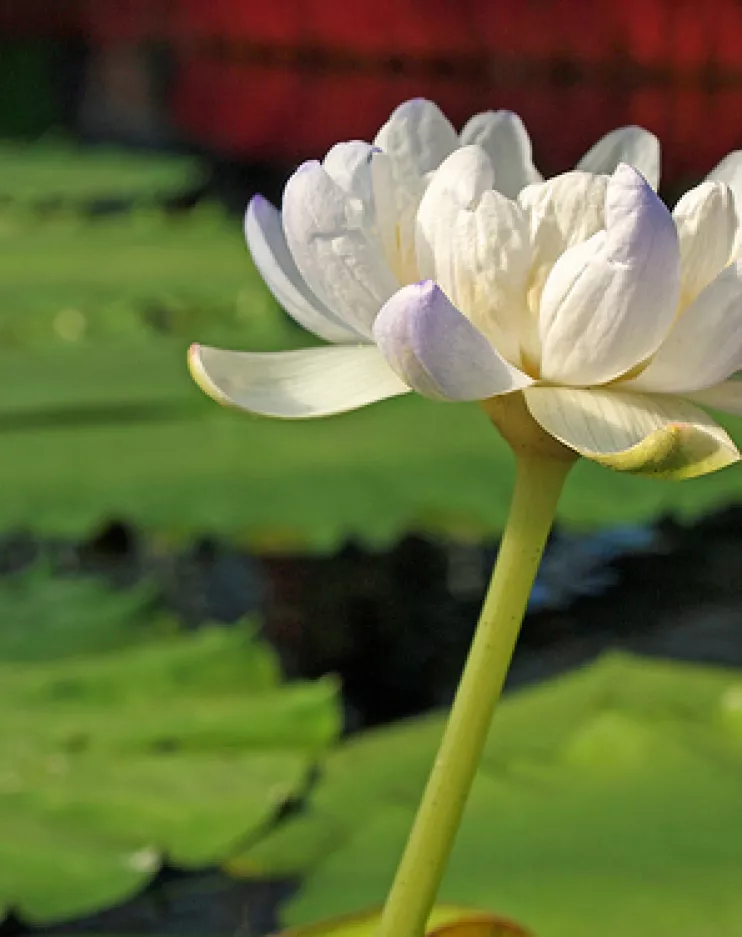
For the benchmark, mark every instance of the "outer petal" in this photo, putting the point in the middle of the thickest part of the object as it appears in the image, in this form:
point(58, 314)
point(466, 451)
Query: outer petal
point(705, 345)
point(295, 384)
point(608, 304)
point(336, 247)
point(418, 137)
point(267, 243)
point(647, 435)
point(458, 184)
point(503, 136)
point(707, 227)
point(437, 351)
point(633, 145)
point(726, 396)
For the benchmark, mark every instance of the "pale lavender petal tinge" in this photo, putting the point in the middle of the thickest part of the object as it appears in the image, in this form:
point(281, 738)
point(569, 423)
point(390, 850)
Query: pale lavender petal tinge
point(437, 351)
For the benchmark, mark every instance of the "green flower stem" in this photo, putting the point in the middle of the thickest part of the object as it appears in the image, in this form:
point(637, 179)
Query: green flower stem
point(537, 488)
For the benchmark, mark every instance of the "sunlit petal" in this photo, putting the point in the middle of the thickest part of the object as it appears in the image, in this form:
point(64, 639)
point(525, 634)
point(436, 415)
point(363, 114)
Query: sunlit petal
point(705, 345)
point(483, 265)
point(729, 171)
point(726, 396)
point(633, 145)
point(295, 384)
point(707, 227)
point(503, 136)
point(418, 137)
point(267, 243)
point(458, 184)
point(335, 247)
point(562, 212)
point(609, 303)
point(647, 435)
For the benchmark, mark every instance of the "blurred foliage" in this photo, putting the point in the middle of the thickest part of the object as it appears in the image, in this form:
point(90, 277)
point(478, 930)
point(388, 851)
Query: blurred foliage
point(121, 431)
point(45, 617)
point(54, 172)
point(140, 275)
point(95, 317)
point(118, 751)
point(608, 802)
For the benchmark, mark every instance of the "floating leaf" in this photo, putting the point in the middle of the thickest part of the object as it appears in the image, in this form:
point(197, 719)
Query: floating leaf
point(608, 802)
point(110, 763)
point(44, 617)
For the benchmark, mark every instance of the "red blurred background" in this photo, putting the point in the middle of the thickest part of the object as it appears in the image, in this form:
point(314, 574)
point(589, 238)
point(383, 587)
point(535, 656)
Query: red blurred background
point(284, 80)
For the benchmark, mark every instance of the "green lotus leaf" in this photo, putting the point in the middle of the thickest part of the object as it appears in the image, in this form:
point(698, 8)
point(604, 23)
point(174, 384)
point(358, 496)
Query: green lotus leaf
point(45, 617)
point(608, 802)
point(114, 759)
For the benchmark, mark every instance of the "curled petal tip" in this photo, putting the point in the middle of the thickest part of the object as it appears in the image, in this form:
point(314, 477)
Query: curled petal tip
point(415, 103)
point(302, 170)
point(193, 353)
point(629, 175)
point(658, 436)
point(257, 209)
point(200, 375)
point(307, 165)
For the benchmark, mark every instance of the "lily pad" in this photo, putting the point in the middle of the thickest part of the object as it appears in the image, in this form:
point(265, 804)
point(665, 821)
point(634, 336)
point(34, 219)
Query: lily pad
point(47, 617)
point(608, 802)
point(110, 763)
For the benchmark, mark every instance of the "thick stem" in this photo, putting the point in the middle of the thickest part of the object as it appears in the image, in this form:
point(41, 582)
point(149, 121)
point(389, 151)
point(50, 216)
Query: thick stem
point(537, 488)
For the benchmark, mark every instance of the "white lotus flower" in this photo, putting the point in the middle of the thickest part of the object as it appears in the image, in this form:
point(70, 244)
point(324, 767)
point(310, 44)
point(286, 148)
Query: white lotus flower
point(580, 309)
